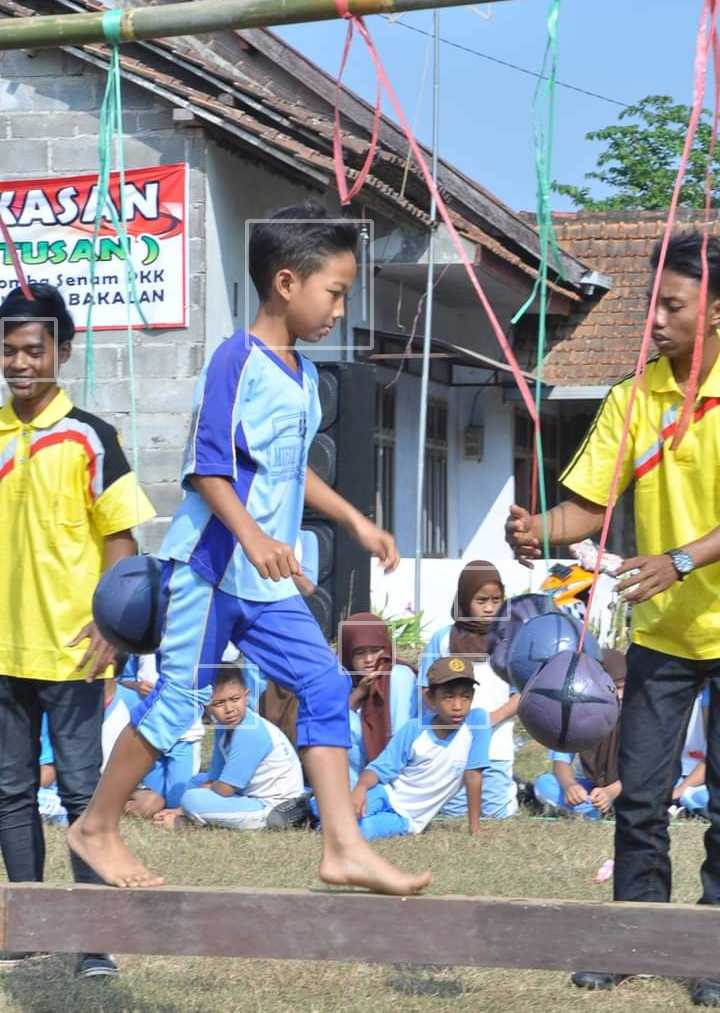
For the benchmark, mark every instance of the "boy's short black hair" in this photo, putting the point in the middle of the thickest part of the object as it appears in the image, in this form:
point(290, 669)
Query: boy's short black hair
point(227, 674)
point(684, 257)
point(48, 302)
point(286, 240)
point(453, 686)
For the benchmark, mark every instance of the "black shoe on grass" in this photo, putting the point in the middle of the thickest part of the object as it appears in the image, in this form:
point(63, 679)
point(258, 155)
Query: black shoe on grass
point(707, 992)
point(294, 812)
point(96, 965)
point(594, 980)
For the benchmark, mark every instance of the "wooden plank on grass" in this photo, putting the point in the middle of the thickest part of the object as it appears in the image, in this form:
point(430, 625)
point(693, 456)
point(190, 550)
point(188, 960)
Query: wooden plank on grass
point(678, 939)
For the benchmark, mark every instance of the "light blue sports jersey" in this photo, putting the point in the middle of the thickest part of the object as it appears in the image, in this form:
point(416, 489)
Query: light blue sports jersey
point(256, 759)
point(253, 422)
point(422, 771)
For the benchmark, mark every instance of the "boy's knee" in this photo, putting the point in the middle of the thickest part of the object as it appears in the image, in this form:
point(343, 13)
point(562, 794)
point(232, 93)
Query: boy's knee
point(144, 803)
point(196, 801)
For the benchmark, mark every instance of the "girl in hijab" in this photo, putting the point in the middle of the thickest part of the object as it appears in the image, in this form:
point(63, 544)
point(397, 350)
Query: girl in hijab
point(384, 696)
point(480, 596)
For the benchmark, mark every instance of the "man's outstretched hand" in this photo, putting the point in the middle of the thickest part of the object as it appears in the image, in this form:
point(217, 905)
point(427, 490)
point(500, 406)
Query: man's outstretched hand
point(519, 536)
point(651, 575)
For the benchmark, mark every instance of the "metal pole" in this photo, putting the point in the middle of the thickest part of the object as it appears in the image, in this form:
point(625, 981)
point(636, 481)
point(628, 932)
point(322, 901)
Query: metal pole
point(192, 18)
point(422, 423)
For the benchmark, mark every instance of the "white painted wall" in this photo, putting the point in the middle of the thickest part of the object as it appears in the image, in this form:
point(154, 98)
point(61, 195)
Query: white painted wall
point(394, 594)
point(237, 190)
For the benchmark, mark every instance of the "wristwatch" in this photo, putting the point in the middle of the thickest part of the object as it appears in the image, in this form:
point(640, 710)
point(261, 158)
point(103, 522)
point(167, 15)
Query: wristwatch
point(682, 562)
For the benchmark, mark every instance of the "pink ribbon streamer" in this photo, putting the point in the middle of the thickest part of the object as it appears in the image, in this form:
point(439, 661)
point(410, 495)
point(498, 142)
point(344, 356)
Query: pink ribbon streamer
point(705, 40)
point(345, 196)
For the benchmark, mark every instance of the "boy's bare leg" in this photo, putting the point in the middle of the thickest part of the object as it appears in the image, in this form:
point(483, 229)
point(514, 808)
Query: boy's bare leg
point(347, 859)
point(95, 836)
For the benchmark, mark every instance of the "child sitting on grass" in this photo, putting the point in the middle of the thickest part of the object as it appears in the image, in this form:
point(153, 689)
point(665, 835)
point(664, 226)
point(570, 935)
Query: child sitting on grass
point(424, 765)
point(254, 779)
point(589, 786)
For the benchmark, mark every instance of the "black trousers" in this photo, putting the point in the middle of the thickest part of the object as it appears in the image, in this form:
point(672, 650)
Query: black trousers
point(659, 695)
point(75, 714)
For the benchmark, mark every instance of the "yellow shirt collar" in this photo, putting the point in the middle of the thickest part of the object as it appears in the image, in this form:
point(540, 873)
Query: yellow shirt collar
point(56, 410)
point(662, 379)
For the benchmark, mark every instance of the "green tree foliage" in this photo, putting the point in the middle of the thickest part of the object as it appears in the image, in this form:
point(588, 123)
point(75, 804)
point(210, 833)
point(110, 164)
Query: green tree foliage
point(641, 159)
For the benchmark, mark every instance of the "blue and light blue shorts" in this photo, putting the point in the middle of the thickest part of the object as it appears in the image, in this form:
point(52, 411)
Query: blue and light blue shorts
point(281, 638)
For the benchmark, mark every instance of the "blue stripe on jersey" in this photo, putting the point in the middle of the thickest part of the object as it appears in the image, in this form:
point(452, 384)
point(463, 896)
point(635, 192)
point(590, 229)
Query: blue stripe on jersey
point(253, 421)
point(211, 447)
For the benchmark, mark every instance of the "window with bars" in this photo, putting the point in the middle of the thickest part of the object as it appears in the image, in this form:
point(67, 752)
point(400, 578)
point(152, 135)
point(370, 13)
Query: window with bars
point(435, 492)
point(384, 457)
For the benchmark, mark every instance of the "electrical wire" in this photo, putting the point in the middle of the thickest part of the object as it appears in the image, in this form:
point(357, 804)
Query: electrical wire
point(513, 66)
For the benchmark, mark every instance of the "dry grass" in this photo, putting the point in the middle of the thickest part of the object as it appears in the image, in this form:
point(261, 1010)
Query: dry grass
point(523, 857)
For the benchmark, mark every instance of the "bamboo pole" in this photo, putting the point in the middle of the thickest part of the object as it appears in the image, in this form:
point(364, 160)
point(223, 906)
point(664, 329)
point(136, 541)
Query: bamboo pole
point(192, 18)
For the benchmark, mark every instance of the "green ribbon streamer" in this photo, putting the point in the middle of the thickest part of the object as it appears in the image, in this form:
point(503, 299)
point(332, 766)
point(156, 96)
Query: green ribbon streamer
point(112, 26)
point(111, 132)
point(543, 107)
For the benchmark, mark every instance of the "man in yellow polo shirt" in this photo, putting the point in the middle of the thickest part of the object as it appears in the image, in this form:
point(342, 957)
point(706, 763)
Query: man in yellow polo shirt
point(676, 593)
point(68, 501)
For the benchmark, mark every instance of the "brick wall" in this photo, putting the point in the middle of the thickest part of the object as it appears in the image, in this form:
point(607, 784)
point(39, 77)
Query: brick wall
point(49, 119)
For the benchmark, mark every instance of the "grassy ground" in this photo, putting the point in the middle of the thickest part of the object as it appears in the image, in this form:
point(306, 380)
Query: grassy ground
point(523, 857)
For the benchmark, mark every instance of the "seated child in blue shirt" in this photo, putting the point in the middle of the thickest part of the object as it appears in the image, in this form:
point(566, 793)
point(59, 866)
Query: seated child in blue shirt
point(424, 765)
point(587, 786)
point(384, 694)
point(479, 597)
point(254, 779)
point(691, 792)
point(50, 806)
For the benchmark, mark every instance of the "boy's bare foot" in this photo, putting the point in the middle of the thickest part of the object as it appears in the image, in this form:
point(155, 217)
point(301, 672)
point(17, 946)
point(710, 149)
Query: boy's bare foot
point(361, 866)
point(109, 857)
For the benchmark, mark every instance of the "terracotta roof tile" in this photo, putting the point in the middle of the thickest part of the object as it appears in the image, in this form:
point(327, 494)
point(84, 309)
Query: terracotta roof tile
point(599, 342)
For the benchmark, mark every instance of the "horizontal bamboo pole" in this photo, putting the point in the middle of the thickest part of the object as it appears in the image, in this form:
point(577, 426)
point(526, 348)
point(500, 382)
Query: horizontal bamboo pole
point(47, 31)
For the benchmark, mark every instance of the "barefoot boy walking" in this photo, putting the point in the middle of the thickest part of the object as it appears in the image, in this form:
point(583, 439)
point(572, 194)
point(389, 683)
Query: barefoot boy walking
point(229, 561)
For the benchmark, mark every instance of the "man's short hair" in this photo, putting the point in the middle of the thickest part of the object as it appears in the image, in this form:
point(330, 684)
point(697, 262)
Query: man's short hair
point(684, 256)
point(286, 240)
point(48, 303)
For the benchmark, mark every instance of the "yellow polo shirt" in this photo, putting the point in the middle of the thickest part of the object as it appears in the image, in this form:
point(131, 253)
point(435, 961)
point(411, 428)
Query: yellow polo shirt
point(65, 484)
point(676, 496)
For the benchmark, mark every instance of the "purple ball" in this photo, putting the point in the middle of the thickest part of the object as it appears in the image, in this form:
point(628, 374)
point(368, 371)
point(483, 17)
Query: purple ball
point(570, 704)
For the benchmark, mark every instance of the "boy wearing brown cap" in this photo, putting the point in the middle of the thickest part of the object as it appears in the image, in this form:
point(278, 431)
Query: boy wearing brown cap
point(424, 764)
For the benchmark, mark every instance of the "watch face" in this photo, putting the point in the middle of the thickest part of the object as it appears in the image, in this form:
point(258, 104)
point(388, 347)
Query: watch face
point(682, 562)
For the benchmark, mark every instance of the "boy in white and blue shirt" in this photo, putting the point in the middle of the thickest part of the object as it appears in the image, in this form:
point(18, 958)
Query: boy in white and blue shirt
point(253, 768)
point(424, 764)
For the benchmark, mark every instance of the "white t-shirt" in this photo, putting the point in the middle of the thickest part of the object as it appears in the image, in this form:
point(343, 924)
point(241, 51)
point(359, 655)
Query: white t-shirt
point(421, 771)
point(490, 693)
point(695, 739)
point(258, 760)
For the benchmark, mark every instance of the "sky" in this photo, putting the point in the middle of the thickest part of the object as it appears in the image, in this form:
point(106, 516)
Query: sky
point(621, 49)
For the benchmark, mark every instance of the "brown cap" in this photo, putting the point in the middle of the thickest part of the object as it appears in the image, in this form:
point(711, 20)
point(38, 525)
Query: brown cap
point(449, 669)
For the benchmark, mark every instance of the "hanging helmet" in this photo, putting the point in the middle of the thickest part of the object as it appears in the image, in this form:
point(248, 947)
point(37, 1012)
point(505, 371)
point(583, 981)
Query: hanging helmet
point(129, 605)
point(541, 638)
point(514, 614)
point(570, 704)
